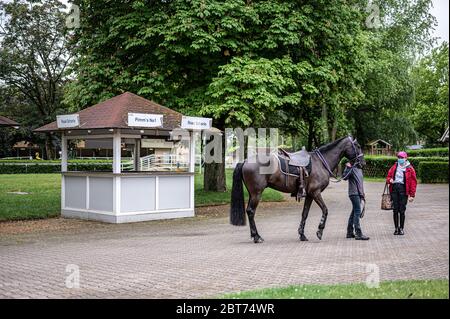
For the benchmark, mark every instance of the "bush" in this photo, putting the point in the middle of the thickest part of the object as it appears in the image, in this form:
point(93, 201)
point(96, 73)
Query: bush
point(24, 168)
point(429, 152)
point(24, 161)
point(378, 166)
point(433, 172)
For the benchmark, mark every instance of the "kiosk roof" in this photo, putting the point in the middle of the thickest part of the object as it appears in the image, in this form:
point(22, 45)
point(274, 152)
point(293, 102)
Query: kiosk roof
point(113, 113)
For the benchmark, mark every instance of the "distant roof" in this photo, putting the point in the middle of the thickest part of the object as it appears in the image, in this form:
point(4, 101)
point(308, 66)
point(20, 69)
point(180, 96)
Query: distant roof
point(379, 140)
point(113, 113)
point(414, 147)
point(444, 137)
point(4, 121)
point(25, 144)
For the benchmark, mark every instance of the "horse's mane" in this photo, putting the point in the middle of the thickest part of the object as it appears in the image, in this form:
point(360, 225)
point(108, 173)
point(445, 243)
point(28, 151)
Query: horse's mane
point(331, 145)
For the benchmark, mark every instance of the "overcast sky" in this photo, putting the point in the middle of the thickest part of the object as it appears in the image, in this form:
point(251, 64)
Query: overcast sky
point(440, 11)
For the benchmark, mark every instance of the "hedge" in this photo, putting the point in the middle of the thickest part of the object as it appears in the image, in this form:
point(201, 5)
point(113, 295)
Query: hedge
point(22, 168)
point(378, 166)
point(429, 152)
point(433, 172)
point(35, 161)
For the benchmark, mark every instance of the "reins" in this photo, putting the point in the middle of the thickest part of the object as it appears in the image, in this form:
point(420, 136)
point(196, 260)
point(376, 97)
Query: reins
point(327, 166)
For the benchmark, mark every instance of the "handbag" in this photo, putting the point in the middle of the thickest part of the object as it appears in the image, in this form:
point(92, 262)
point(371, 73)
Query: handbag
point(386, 200)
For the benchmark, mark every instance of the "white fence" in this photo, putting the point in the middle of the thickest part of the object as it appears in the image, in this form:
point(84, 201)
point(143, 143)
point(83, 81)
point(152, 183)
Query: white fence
point(169, 162)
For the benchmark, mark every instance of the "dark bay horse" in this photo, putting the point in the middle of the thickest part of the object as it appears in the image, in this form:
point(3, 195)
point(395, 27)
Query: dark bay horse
point(324, 161)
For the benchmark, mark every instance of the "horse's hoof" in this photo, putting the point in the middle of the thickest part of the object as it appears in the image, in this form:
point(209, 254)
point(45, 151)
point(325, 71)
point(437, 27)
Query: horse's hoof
point(319, 234)
point(303, 238)
point(258, 240)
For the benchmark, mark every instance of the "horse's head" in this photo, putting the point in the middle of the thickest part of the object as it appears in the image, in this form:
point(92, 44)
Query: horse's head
point(353, 152)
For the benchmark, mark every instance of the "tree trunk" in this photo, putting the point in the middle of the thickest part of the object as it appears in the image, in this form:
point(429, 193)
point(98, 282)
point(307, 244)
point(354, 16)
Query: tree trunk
point(214, 174)
point(325, 123)
point(310, 135)
point(334, 130)
point(49, 154)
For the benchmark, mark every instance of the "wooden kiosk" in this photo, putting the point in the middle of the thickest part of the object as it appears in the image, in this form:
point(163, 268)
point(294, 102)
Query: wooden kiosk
point(133, 195)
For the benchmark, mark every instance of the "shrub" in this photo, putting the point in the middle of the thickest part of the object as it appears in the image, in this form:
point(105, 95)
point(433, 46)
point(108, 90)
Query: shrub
point(24, 168)
point(429, 152)
point(433, 172)
point(25, 161)
point(378, 166)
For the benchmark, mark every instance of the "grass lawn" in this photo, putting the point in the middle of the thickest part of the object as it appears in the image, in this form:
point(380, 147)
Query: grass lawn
point(43, 200)
point(416, 289)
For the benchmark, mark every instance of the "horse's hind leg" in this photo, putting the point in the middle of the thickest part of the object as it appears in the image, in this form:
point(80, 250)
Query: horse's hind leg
point(251, 210)
point(306, 207)
point(319, 200)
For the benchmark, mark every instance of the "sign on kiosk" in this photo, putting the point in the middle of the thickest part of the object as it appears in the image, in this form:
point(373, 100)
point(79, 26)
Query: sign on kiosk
point(69, 120)
point(145, 120)
point(195, 123)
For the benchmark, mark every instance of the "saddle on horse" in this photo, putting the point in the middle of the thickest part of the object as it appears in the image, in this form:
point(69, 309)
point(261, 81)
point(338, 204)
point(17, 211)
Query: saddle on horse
point(300, 160)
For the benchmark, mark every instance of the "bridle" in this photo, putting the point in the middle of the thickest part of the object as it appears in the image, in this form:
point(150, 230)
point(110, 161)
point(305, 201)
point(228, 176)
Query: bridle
point(356, 160)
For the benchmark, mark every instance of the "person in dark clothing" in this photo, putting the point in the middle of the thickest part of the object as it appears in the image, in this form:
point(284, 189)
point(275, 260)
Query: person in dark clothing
point(402, 182)
point(354, 175)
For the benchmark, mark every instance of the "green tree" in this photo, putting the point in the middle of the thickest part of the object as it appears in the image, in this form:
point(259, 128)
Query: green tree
point(34, 55)
point(242, 62)
point(388, 88)
point(430, 112)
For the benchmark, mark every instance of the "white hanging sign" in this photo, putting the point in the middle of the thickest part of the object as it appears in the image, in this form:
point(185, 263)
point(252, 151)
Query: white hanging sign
point(145, 120)
point(69, 120)
point(196, 123)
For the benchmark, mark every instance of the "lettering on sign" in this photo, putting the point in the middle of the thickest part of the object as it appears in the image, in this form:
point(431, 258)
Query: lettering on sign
point(70, 120)
point(145, 120)
point(196, 123)
point(155, 143)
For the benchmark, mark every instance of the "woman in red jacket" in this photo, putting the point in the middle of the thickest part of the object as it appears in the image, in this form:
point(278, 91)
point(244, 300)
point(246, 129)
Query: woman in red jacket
point(402, 185)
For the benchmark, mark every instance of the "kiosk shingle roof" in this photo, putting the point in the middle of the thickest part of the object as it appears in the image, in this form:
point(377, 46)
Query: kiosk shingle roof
point(113, 113)
point(4, 121)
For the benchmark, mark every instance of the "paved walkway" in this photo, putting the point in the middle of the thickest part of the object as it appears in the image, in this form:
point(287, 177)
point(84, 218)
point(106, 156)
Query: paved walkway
point(204, 257)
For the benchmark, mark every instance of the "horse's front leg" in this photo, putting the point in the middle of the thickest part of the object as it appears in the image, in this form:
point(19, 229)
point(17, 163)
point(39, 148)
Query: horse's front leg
point(251, 210)
point(319, 200)
point(301, 228)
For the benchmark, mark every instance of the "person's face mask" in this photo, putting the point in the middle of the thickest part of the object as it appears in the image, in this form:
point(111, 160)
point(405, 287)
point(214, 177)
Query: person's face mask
point(401, 161)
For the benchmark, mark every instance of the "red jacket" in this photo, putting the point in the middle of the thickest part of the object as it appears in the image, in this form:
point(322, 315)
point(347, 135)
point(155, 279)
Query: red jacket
point(410, 179)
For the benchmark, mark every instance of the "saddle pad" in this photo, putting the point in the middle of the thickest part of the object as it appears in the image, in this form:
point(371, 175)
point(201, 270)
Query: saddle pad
point(293, 170)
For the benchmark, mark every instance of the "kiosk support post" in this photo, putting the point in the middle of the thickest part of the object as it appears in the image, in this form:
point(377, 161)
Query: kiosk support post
point(63, 153)
point(117, 144)
point(192, 166)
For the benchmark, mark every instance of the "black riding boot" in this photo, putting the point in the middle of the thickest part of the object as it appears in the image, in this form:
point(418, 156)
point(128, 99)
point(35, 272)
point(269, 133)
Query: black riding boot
point(359, 235)
point(396, 223)
point(350, 233)
point(402, 224)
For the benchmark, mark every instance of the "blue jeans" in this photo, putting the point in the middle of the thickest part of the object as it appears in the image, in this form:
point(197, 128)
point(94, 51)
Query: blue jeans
point(353, 221)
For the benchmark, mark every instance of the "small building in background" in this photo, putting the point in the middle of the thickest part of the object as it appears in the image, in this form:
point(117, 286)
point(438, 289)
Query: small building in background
point(379, 147)
point(26, 149)
point(414, 147)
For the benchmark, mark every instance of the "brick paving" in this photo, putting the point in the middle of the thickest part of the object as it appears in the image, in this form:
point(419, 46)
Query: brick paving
point(205, 257)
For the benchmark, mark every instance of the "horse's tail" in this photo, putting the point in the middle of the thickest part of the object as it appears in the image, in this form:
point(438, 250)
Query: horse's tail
point(237, 207)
